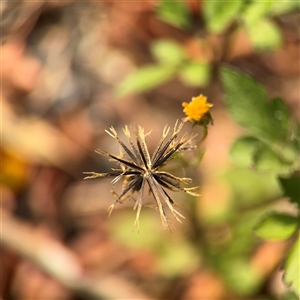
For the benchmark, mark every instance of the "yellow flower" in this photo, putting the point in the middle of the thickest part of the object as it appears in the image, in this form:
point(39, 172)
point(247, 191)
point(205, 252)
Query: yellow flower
point(197, 111)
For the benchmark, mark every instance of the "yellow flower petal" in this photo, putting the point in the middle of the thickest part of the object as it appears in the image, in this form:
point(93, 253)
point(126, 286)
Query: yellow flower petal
point(196, 109)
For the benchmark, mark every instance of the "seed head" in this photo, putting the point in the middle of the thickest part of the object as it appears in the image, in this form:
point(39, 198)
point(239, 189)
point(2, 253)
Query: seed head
point(138, 169)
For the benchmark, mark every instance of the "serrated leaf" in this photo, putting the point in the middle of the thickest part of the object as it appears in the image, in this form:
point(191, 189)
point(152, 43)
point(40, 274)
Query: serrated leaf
point(292, 268)
point(265, 35)
point(291, 188)
point(276, 226)
point(145, 79)
point(167, 52)
point(248, 104)
point(219, 14)
point(195, 73)
point(175, 13)
point(243, 150)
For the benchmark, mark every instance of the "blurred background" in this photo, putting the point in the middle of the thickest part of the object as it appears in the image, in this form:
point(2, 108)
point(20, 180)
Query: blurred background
point(70, 70)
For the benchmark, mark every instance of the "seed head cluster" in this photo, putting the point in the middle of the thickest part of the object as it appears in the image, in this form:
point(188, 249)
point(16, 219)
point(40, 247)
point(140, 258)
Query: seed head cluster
point(138, 169)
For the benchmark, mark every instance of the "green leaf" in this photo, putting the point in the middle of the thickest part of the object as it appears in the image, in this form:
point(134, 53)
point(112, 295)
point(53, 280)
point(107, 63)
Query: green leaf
point(265, 159)
point(295, 136)
point(249, 106)
point(281, 112)
point(276, 226)
point(219, 14)
point(292, 268)
point(291, 187)
point(145, 79)
point(252, 153)
point(265, 35)
point(255, 11)
point(168, 52)
point(195, 73)
point(243, 150)
point(175, 13)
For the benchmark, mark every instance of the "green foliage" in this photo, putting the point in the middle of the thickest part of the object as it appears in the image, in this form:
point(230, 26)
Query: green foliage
point(266, 159)
point(281, 112)
point(244, 280)
point(194, 73)
point(292, 267)
point(255, 11)
point(273, 146)
point(276, 226)
point(249, 151)
point(254, 16)
point(219, 14)
point(267, 120)
point(144, 79)
point(169, 56)
point(248, 104)
point(171, 62)
point(265, 35)
point(243, 150)
point(167, 52)
point(291, 188)
point(248, 199)
point(175, 13)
